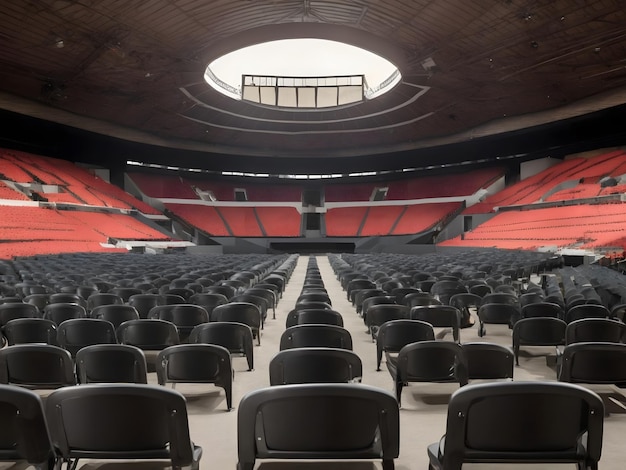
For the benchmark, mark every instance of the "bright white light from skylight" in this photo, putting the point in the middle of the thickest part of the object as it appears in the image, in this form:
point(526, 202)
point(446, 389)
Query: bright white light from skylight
point(301, 58)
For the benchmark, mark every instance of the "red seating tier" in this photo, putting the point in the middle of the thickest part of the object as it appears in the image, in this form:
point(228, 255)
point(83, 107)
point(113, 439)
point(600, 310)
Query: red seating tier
point(279, 221)
point(380, 220)
point(163, 186)
point(344, 221)
point(242, 221)
point(205, 218)
point(421, 217)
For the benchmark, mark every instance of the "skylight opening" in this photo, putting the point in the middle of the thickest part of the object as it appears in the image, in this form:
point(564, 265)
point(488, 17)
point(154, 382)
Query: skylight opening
point(302, 73)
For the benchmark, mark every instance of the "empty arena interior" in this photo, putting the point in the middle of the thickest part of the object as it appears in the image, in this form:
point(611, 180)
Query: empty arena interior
point(480, 199)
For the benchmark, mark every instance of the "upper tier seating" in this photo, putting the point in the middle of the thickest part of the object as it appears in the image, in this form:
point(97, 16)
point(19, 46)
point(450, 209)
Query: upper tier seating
point(582, 226)
point(588, 171)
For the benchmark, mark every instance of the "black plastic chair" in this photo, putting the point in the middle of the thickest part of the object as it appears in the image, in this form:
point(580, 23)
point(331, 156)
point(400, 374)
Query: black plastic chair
point(595, 330)
point(262, 303)
point(111, 363)
point(208, 301)
point(144, 302)
point(240, 312)
point(579, 312)
point(497, 314)
point(395, 334)
point(439, 316)
point(60, 312)
point(464, 302)
point(295, 422)
point(38, 300)
point(489, 423)
point(24, 433)
point(538, 331)
point(542, 309)
point(594, 363)
point(306, 316)
point(315, 365)
point(428, 361)
point(315, 335)
point(381, 313)
point(148, 335)
point(126, 292)
point(103, 298)
point(488, 361)
point(80, 332)
point(236, 337)
point(197, 363)
point(41, 366)
point(67, 298)
point(11, 311)
point(116, 314)
point(121, 421)
point(185, 316)
point(30, 330)
point(227, 291)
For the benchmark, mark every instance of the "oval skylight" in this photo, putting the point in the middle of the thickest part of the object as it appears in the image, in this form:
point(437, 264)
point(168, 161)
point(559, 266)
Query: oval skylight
point(302, 73)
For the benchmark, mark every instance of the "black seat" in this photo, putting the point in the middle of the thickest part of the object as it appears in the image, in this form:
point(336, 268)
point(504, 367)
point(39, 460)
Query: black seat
point(489, 423)
point(595, 330)
point(116, 314)
point(148, 335)
point(126, 292)
point(497, 314)
point(428, 361)
point(315, 365)
point(240, 312)
point(13, 310)
point(316, 335)
point(38, 300)
point(121, 421)
point(42, 366)
point(594, 363)
point(538, 331)
point(439, 316)
point(488, 361)
point(381, 313)
point(80, 332)
point(208, 301)
point(103, 298)
point(395, 334)
point(185, 316)
point(144, 302)
point(236, 337)
point(579, 312)
point(542, 309)
point(24, 434)
point(197, 363)
point(30, 330)
point(466, 302)
point(60, 312)
point(109, 363)
point(293, 422)
point(304, 316)
point(262, 303)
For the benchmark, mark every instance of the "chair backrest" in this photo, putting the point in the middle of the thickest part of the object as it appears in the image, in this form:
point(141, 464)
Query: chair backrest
point(148, 334)
point(236, 337)
point(395, 334)
point(30, 330)
point(488, 361)
point(303, 316)
point(500, 298)
point(381, 313)
point(24, 433)
point(196, 363)
point(240, 312)
point(315, 365)
point(103, 298)
point(542, 309)
point(420, 298)
point(144, 302)
point(594, 363)
point(121, 421)
point(579, 312)
point(11, 311)
point(489, 422)
point(316, 335)
point(116, 314)
point(293, 421)
point(111, 363)
point(184, 316)
point(432, 361)
point(208, 301)
point(38, 300)
point(588, 330)
point(36, 365)
point(67, 298)
point(60, 312)
point(439, 316)
point(80, 332)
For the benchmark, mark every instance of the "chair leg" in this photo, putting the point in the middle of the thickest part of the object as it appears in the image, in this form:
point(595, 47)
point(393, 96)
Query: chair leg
point(388, 464)
point(399, 386)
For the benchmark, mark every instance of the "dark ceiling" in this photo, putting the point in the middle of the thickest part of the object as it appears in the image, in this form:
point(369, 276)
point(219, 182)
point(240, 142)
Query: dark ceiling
point(481, 79)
